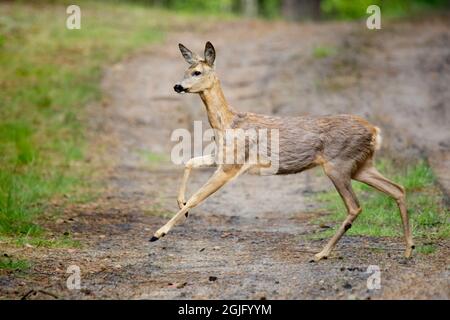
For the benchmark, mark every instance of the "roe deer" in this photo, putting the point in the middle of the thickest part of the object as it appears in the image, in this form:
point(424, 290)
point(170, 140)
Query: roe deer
point(344, 145)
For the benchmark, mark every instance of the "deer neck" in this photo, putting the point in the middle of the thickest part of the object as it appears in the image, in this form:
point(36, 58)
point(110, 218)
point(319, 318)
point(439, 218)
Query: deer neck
point(219, 113)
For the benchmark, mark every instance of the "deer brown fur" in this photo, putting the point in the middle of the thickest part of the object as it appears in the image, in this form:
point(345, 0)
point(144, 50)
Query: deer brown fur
point(344, 145)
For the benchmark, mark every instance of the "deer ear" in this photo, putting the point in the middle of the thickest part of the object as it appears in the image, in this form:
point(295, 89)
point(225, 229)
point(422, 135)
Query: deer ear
point(210, 54)
point(188, 55)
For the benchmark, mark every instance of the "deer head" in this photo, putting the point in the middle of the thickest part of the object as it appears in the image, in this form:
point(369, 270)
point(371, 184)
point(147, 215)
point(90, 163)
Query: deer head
point(200, 75)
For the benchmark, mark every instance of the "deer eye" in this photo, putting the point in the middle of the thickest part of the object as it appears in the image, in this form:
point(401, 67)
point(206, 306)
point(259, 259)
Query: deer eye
point(196, 73)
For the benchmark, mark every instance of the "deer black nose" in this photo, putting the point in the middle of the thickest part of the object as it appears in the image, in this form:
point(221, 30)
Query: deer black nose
point(178, 88)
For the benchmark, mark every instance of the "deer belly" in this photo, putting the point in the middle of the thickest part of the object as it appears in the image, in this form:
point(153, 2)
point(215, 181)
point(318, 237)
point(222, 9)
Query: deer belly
point(290, 165)
point(297, 157)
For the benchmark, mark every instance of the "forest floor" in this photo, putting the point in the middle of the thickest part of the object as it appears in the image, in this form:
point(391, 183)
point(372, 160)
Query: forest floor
point(254, 239)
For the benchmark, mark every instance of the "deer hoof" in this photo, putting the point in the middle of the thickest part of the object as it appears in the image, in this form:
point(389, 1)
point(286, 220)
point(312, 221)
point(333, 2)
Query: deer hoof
point(154, 238)
point(187, 213)
point(181, 203)
point(408, 251)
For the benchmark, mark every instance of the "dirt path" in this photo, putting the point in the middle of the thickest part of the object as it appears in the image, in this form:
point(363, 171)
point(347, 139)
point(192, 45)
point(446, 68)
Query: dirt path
point(251, 239)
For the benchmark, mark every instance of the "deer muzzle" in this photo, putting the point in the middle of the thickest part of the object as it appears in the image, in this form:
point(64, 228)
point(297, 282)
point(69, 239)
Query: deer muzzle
point(179, 88)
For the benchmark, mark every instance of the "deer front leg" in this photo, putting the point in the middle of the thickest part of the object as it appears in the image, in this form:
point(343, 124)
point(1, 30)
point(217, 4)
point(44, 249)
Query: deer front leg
point(222, 175)
point(197, 162)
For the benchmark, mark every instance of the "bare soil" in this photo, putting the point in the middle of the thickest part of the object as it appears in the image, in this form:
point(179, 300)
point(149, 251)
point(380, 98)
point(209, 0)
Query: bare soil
point(251, 240)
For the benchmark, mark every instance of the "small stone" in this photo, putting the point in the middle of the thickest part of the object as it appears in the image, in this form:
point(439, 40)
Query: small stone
point(177, 285)
point(347, 285)
point(181, 285)
point(212, 278)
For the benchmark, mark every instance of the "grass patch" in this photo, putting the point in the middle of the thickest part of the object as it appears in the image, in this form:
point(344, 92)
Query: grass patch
point(158, 211)
point(349, 10)
point(48, 74)
point(42, 240)
point(380, 217)
point(426, 249)
point(321, 52)
point(152, 158)
point(63, 241)
point(8, 263)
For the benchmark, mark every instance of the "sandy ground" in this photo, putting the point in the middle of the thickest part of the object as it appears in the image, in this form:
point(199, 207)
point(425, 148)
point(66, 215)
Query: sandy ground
point(251, 240)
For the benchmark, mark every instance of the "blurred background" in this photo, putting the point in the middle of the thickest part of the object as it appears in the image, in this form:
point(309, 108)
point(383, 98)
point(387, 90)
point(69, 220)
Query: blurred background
point(297, 9)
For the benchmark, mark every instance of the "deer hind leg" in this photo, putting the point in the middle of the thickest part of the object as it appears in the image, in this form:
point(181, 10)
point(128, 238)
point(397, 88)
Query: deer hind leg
point(369, 175)
point(342, 181)
point(222, 175)
point(197, 162)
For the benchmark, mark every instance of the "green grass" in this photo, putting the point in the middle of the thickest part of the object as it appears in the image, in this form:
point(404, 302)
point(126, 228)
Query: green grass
point(323, 52)
point(11, 264)
point(355, 9)
point(153, 158)
point(48, 75)
point(64, 241)
point(426, 249)
point(158, 211)
point(380, 216)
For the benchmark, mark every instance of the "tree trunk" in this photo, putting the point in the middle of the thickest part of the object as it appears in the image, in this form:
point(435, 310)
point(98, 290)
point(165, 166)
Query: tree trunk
point(301, 9)
point(250, 8)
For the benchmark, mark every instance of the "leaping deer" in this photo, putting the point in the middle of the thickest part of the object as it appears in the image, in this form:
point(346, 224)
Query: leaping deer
point(344, 145)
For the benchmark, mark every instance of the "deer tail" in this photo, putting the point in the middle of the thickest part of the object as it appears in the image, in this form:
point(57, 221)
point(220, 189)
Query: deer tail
point(377, 139)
